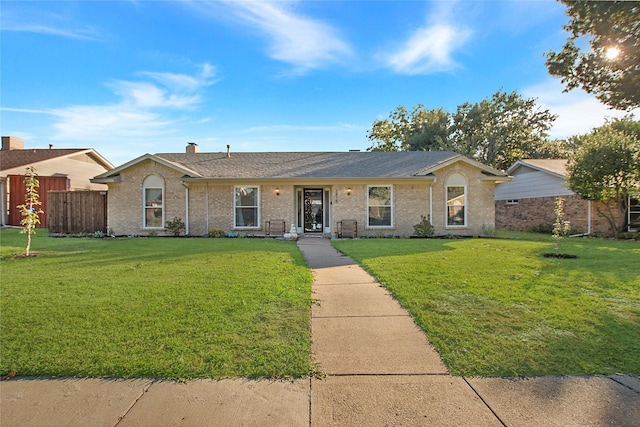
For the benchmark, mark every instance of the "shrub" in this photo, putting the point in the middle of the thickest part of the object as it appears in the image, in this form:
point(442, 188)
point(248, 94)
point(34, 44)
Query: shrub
point(488, 230)
point(424, 228)
point(629, 235)
point(216, 233)
point(175, 226)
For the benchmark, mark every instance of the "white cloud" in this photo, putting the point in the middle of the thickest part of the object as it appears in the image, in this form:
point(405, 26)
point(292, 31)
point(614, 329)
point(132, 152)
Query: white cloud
point(141, 110)
point(295, 39)
point(430, 49)
point(578, 112)
point(36, 20)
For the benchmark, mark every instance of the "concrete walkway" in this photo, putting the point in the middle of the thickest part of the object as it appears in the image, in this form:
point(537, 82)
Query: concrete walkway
point(381, 371)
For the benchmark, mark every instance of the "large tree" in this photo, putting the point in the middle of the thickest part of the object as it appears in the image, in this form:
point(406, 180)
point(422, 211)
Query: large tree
point(606, 168)
point(496, 131)
point(418, 130)
point(500, 130)
point(609, 67)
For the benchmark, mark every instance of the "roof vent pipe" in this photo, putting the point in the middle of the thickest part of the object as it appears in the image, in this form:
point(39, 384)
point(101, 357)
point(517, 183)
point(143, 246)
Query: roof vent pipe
point(228, 150)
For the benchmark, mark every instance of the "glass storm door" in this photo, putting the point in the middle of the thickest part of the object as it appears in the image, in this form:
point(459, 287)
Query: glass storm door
point(313, 212)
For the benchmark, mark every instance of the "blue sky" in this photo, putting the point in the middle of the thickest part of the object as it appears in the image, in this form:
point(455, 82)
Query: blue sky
point(133, 77)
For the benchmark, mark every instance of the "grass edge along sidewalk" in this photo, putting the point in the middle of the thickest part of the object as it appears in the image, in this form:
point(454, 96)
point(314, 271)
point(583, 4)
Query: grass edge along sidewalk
point(154, 307)
point(496, 307)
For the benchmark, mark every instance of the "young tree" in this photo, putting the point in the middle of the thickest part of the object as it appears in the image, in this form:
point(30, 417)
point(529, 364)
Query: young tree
point(608, 66)
point(560, 226)
point(606, 168)
point(30, 210)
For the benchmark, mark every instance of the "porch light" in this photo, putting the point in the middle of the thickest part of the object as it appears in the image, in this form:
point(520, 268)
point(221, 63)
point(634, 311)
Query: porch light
point(348, 191)
point(277, 191)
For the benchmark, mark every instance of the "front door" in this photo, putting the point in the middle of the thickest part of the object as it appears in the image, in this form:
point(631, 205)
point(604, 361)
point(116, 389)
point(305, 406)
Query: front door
point(313, 210)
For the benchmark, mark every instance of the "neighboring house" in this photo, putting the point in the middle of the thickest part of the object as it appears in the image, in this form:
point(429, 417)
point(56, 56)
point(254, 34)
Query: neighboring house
point(527, 202)
point(386, 193)
point(57, 169)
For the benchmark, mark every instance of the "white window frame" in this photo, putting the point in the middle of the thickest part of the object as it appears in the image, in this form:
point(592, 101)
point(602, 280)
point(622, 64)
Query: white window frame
point(369, 206)
point(153, 182)
point(456, 180)
point(256, 207)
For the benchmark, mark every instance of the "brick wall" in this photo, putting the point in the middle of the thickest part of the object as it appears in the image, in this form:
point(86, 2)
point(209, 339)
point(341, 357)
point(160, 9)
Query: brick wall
point(527, 214)
point(124, 199)
point(211, 205)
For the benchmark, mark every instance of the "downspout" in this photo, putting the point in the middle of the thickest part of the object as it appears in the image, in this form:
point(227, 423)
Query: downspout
point(588, 216)
point(206, 198)
point(186, 221)
point(431, 202)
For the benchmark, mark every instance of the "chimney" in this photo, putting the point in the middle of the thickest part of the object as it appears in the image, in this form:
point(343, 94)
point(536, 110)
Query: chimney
point(12, 143)
point(228, 150)
point(50, 146)
point(192, 148)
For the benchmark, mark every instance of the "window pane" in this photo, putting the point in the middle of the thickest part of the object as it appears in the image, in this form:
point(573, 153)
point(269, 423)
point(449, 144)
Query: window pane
point(246, 217)
point(246, 207)
point(455, 206)
point(379, 196)
point(246, 196)
point(153, 197)
point(380, 216)
point(153, 217)
point(379, 201)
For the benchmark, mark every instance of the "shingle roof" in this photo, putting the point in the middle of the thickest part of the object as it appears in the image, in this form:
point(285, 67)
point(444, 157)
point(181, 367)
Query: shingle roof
point(556, 166)
point(310, 164)
point(13, 158)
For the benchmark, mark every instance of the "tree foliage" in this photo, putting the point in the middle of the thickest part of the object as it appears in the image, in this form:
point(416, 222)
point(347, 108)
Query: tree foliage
point(500, 130)
point(606, 25)
point(606, 168)
point(496, 131)
point(30, 210)
point(418, 130)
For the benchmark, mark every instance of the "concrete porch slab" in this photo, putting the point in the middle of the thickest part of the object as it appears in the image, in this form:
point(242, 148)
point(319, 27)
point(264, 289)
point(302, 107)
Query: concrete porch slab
point(560, 401)
point(68, 402)
point(373, 345)
point(341, 275)
point(354, 300)
point(236, 402)
point(397, 401)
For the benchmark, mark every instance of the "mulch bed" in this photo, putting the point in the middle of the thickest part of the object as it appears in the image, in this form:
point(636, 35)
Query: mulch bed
point(565, 256)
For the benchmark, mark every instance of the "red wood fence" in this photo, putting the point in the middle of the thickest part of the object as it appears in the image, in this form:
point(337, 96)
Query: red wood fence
point(17, 191)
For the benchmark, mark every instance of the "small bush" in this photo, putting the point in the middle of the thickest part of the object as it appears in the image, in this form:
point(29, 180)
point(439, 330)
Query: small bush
point(629, 235)
point(424, 228)
point(488, 230)
point(175, 226)
point(216, 233)
point(541, 228)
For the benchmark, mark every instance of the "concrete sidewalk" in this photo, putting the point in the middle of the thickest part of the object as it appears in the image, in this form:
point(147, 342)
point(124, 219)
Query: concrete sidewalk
point(381, 370)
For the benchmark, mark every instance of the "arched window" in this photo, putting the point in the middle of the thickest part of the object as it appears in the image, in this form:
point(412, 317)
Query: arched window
point(456, 201)
point(153, 200)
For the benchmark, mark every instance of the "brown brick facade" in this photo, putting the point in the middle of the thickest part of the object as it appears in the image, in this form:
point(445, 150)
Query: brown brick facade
point(210, 204)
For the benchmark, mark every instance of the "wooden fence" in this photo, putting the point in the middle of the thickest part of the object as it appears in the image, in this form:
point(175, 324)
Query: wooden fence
point(73, 212)
point(17, 191)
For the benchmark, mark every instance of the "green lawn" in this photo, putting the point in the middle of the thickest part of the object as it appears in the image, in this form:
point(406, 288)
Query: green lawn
point(154, 307)
point(495, 307)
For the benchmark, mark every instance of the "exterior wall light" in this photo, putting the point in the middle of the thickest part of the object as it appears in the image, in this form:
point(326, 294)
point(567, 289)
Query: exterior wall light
point(277, 191)
point(348, 191)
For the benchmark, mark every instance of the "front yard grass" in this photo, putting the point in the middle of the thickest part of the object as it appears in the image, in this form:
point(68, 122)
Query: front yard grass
point(154, 307)
point(495, 307)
